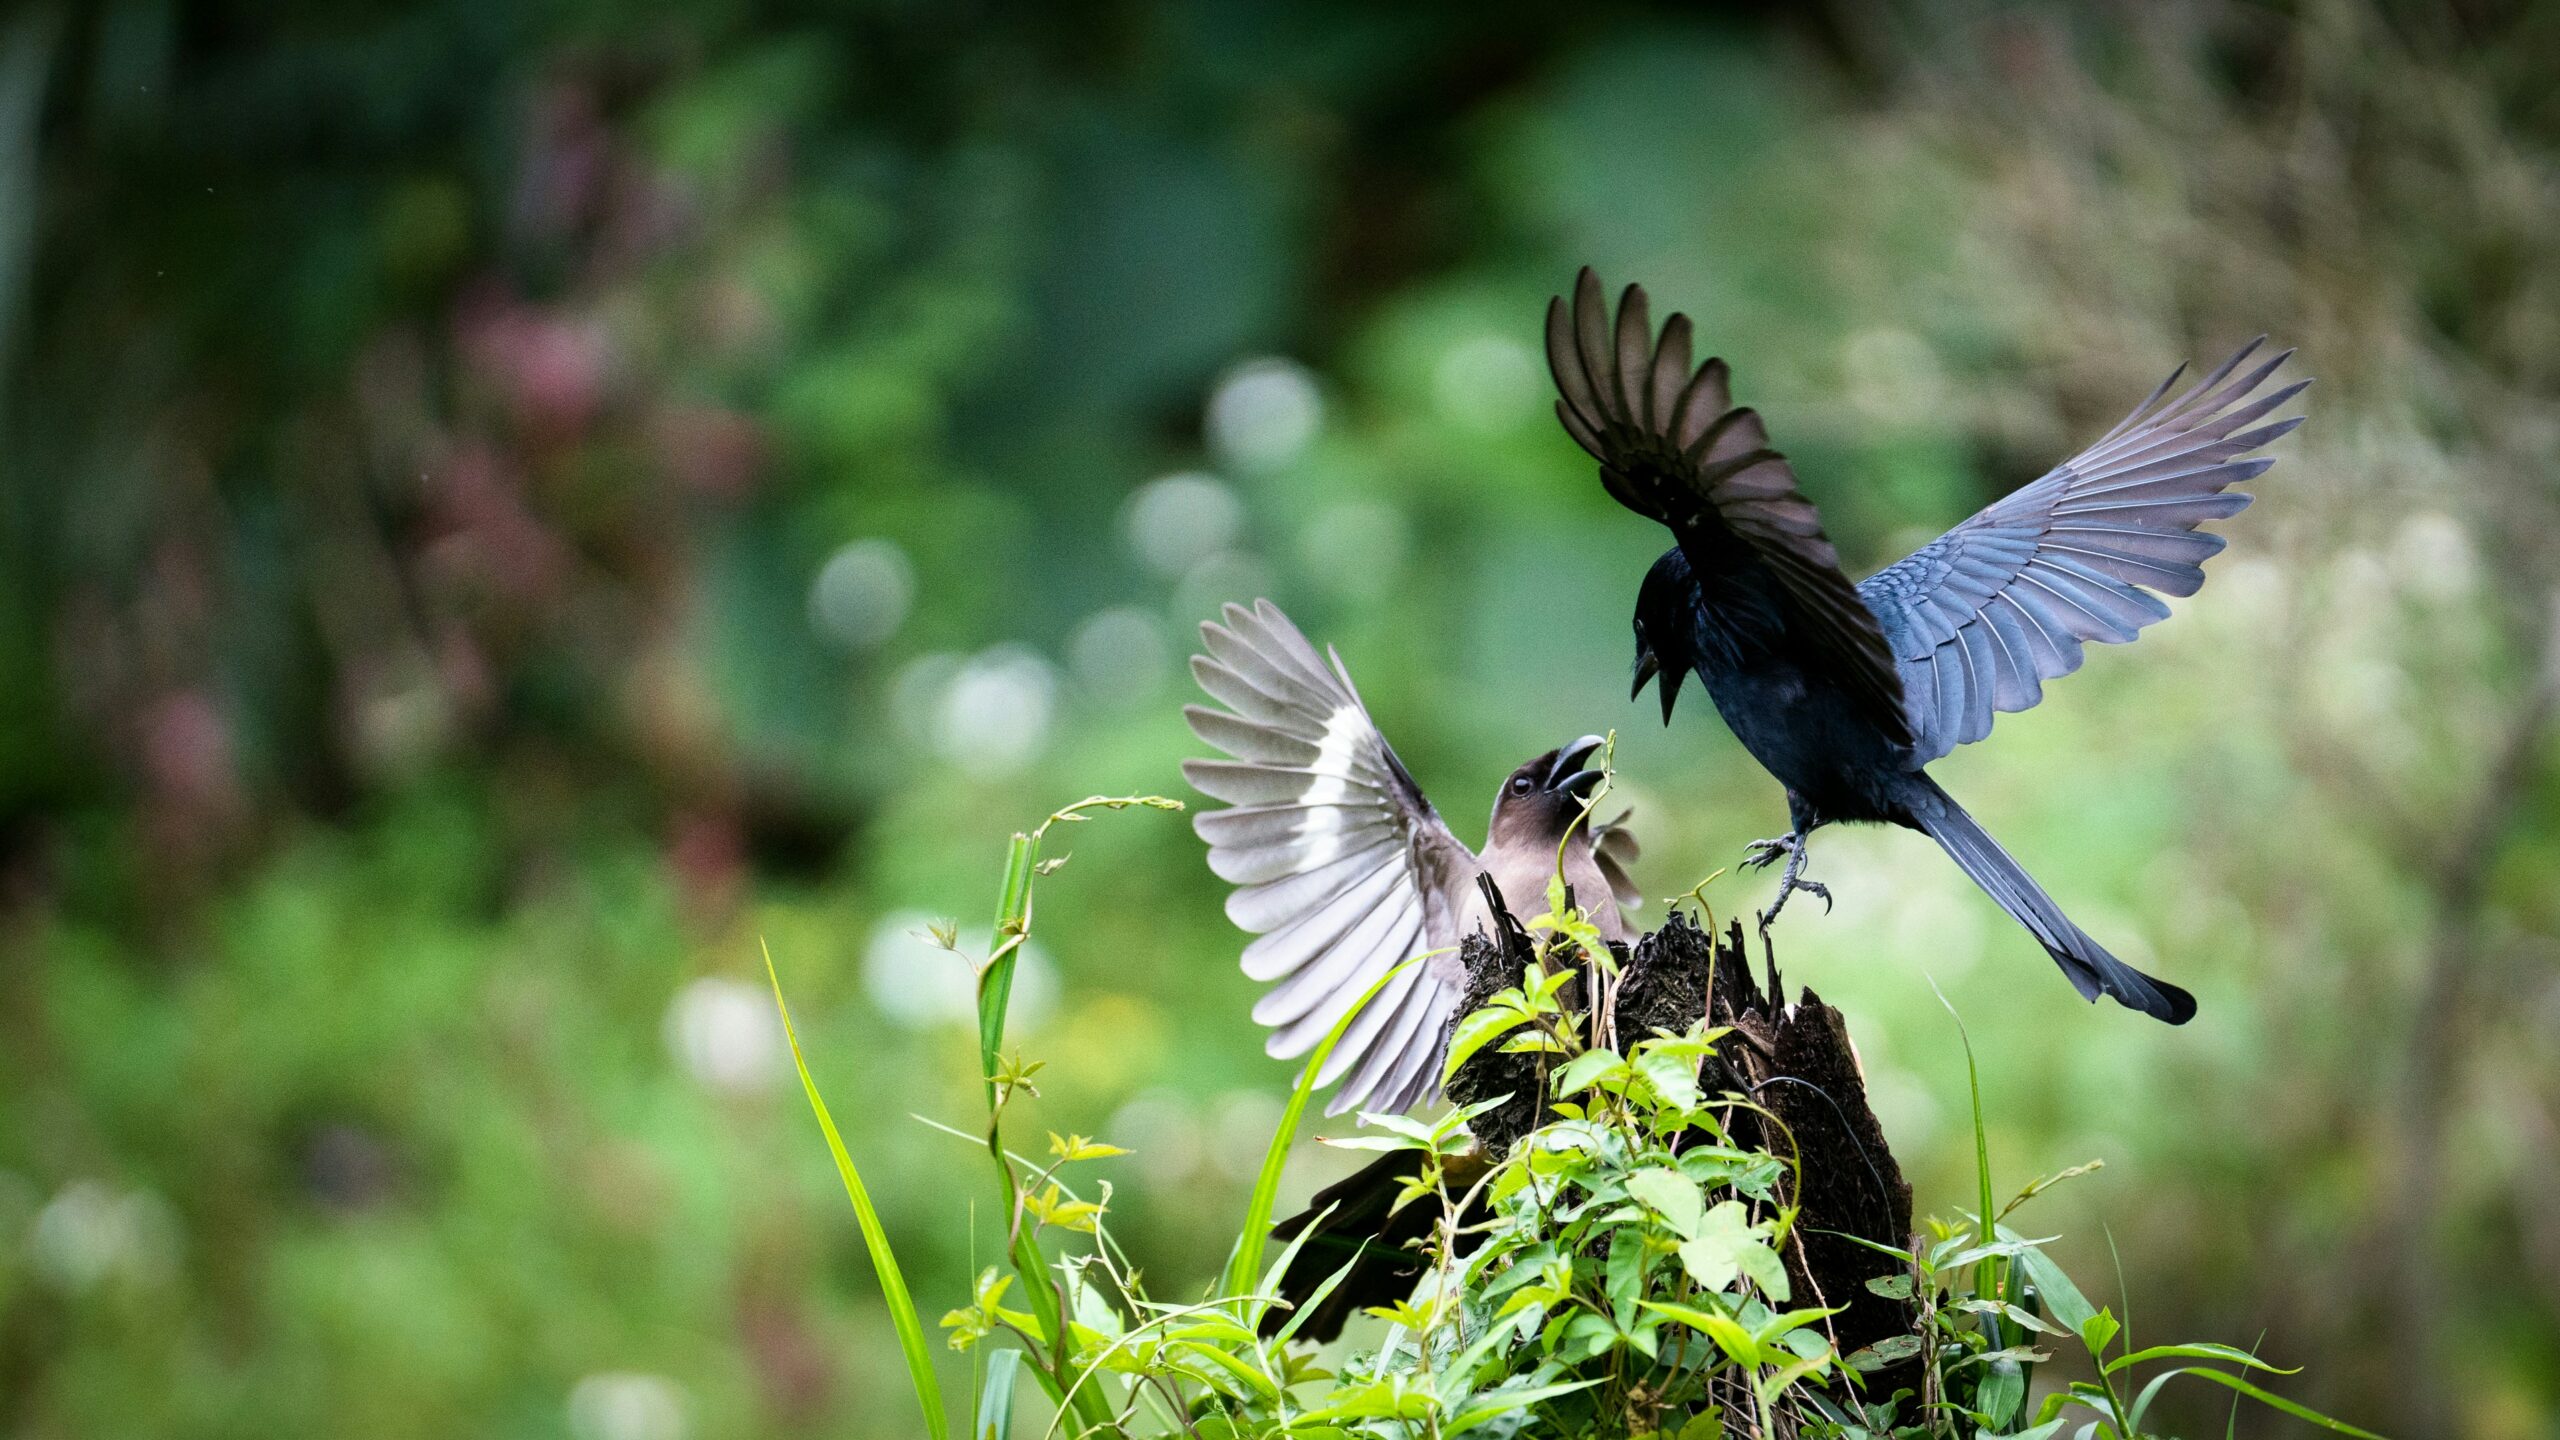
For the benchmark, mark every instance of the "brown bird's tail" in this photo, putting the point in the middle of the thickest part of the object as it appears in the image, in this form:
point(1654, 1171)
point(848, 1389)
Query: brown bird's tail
point(1383, 1246)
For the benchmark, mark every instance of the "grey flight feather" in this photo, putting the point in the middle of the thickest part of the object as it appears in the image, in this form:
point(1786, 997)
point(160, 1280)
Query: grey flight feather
point(1980, 617)
point(1343, 870)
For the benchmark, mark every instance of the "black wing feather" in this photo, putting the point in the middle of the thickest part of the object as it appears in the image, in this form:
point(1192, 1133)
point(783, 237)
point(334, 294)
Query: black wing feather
point(1673, 448)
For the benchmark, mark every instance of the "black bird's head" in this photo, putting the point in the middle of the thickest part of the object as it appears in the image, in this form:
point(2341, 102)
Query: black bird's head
point(1544, 796)
point(1665, 619)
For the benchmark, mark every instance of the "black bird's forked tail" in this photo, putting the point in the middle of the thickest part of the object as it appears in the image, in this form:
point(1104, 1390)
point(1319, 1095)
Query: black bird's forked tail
point(2086, 963)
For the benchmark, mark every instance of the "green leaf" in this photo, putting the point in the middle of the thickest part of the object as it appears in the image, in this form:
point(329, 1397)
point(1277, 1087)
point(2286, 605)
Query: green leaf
point(1777, 1326)
point(1672, 1077)
point(875, 1237)
point(1586, 1069)
point(1494, 1404)
point(1700, 1041)
point(1403, 1125)
point(1705, 1425)
point(1713, 1256)
point(1981, 1135)
point(1730, 1337)
point(2002, 1391)
point(1080, 1147)
point(1891, 1350)
point(1246, 1379)
point(1378, 1400)
point(2097, 1331)
point(2196, 1351)
point(1775, 1383)
point(1670, 1194)
point(2008, 1312)
point(1761, 1262)
point(1371, 1142)
point(2060, 1296)
point(1623, 1273)
point(1479, 1029)
point(1315, 1298)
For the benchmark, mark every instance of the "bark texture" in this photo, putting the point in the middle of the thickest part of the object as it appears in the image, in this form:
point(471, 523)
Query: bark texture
point(1792, 1061)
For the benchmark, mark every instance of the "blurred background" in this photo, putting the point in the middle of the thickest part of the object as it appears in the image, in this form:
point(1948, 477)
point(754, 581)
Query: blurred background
point(507, 505)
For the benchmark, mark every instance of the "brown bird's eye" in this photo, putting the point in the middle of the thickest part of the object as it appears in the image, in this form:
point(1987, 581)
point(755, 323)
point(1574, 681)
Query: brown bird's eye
point(1519, 784)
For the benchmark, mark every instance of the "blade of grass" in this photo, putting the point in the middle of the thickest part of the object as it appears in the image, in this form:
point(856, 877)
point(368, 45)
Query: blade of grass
point(1991, 1268)
point(884, 1261)
point(995, 993)
point(1013, 924)
point(2264, 1397)
point(995, 1396)
point(1245, 1266)
point(1013, 918)
point(1315, 1300)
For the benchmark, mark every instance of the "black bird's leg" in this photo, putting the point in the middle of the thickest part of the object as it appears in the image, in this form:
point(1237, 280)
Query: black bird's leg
point(1792, 845)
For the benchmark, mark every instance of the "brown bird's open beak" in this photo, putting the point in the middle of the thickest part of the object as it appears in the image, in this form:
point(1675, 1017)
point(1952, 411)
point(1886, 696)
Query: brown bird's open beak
point(1567, 773)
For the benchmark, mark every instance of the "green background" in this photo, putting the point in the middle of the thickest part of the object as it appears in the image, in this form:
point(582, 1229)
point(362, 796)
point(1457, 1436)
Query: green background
point(503, 506)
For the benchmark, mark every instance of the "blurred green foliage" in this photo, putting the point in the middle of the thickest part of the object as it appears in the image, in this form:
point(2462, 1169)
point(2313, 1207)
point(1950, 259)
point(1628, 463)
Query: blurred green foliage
point(501, 507)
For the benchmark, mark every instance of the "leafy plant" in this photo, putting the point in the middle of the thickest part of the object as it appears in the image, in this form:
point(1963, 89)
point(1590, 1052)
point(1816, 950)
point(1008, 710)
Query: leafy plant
point(1622, 1270)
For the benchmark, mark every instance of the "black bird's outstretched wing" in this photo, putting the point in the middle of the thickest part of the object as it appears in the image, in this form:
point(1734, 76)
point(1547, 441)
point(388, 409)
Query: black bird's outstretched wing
point(1341, 867)
point(1980, 617)
point(1673, 448)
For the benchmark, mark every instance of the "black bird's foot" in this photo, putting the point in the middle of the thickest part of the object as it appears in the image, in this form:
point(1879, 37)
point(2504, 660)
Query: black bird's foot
point(1814, 888)
point(1763, 852)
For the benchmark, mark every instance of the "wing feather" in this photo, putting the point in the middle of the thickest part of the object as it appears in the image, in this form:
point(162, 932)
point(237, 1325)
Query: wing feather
point(1673, 448)
point(1342, 869)
point(1980, 617)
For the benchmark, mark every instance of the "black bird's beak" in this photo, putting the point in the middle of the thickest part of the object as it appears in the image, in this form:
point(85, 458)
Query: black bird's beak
point(1646, 668)
point(1670, 692)
point(1567, 773)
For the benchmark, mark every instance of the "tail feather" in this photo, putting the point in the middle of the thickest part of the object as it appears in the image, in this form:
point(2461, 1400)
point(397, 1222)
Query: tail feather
point(2086, 963)
point(1353, 1222)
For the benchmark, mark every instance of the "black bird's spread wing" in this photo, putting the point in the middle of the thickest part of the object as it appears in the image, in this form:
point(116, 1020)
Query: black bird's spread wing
point(1673, 448)
point(1980, 617)
point(1341, 867)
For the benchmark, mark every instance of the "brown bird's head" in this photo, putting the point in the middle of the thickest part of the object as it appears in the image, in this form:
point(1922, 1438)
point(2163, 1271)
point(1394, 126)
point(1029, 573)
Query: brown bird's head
point(1544, 796)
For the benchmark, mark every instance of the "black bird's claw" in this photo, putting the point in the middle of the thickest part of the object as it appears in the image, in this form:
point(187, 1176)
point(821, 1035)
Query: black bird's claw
point(1792, 846)
point(1761, 854)
point(1814, 888)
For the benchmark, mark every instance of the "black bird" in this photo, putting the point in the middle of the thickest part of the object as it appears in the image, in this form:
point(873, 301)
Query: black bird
point(1845, 692)
point(1345, 871)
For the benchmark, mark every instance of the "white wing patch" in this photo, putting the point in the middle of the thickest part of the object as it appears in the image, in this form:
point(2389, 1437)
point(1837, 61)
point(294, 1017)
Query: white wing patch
point(1322, 831)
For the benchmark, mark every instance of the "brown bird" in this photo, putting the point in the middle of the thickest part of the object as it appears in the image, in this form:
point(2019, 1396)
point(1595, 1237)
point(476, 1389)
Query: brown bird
point(1345, 871)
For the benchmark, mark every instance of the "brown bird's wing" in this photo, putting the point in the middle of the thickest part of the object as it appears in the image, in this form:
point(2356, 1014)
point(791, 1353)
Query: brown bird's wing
point(1980, 617)
point(1673, 448)
point(1614, 846)
point(1341, 867)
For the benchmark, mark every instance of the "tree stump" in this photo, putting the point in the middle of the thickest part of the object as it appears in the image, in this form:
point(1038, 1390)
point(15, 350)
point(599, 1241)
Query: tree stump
point(1794, 1062)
